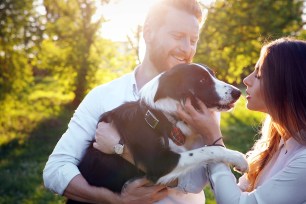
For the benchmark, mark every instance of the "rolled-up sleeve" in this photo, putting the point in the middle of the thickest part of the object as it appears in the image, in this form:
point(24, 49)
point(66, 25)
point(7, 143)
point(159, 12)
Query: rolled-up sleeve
point(61, 166)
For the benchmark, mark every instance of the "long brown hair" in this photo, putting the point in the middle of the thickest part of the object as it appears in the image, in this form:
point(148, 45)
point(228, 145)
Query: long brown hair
point(282, 70)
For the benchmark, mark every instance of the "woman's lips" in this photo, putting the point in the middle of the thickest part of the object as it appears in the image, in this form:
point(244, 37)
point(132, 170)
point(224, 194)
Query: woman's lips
point(247, 95)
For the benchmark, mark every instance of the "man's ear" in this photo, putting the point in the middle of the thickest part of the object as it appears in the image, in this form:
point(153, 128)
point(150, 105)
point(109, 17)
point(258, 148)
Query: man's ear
point(148, 32)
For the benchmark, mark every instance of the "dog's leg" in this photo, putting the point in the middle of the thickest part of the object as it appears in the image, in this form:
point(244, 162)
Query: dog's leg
point(193, 159)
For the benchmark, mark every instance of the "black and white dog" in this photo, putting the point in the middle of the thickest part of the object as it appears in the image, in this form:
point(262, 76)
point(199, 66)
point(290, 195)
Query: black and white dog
point(159, 142)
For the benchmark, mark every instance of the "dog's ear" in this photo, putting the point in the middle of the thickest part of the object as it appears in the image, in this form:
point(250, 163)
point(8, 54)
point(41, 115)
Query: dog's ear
point(174, 87)
point(167, 83)
point(163, 91)
point(208, 69)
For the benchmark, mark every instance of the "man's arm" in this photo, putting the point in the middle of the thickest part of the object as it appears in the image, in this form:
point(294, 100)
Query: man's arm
point(61, 174)
point(79, 189)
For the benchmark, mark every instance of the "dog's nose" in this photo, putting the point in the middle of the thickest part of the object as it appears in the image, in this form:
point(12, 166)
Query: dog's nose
point(235, 93)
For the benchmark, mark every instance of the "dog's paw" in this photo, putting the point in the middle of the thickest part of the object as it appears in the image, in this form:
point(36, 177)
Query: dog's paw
point(239, 161)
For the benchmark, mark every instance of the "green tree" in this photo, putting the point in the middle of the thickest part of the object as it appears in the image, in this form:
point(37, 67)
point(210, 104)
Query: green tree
point(235, 30)
point(72, 25)
point(21, 30)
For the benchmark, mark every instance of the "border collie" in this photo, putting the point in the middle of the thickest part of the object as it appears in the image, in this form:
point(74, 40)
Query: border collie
point(163, 145)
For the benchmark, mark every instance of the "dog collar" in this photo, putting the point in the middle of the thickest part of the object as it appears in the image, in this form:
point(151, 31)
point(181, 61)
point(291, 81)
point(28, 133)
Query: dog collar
point(151, 119)
point(174, 133)
point(177, 136)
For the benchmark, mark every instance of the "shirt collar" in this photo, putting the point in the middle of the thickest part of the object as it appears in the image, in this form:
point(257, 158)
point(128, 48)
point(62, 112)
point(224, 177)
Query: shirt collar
point(134, 83)
point(289, 145)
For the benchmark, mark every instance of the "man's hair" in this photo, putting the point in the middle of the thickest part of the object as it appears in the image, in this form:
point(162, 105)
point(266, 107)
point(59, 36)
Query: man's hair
point(157, 12)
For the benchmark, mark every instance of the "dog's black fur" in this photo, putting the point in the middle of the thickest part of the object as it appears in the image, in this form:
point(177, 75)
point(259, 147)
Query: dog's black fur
point(149, 147)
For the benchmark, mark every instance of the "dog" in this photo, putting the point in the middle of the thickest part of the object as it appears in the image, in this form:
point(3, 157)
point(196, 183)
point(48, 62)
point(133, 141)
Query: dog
point(159, 142)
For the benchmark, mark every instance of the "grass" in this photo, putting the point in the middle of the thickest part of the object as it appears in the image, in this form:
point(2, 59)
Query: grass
point(22, 161)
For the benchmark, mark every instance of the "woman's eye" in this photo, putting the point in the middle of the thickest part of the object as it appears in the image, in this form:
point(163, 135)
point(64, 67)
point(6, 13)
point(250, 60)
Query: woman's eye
point(257, 76)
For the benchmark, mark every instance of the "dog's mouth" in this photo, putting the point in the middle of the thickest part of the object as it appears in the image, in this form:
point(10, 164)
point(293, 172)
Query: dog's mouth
point(224, 107)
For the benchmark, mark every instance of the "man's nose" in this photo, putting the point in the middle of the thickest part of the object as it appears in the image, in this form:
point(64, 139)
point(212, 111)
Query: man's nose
point(186, 46)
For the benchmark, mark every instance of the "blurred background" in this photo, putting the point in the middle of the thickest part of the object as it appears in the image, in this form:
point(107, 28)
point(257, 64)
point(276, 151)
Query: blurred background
point(52, 52)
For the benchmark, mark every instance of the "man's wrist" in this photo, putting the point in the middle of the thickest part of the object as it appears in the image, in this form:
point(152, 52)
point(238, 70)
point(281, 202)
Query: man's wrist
point(119, 147)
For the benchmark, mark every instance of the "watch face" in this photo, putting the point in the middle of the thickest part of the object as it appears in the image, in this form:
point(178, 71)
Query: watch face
point(118, 148)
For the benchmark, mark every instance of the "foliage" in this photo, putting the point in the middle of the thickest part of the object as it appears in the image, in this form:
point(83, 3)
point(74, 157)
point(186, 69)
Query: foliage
point(249, 122)
point(38, 75)
point(20, 34)
point(235, 30)
point(72, 26)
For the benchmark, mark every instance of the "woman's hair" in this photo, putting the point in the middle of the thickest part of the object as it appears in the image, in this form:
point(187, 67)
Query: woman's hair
point(282, 71)
point(155, 16)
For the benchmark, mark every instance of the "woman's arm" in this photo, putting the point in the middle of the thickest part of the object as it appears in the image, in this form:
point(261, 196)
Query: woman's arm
point(286, 186)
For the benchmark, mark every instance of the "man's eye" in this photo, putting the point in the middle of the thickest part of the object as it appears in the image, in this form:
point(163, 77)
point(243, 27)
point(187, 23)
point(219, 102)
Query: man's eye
point(193, 42)
point(176, 36)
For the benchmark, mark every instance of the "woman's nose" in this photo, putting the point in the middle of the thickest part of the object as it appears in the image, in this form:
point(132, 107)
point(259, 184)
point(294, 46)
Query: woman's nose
point(246, 80)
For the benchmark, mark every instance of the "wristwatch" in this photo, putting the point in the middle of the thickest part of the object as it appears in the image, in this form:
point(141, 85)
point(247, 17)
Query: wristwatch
point(118, 148)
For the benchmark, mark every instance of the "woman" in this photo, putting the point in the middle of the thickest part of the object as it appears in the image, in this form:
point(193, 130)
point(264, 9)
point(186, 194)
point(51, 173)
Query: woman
point(277, 162)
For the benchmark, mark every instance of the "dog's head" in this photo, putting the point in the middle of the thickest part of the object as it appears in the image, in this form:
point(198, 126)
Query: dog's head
point(189, 81)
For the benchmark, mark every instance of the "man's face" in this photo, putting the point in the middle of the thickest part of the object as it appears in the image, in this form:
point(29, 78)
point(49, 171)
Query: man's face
point(175, 41)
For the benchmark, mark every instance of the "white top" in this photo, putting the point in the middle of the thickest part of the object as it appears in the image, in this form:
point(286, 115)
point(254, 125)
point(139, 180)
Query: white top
point(61, 166)
point(282, 181)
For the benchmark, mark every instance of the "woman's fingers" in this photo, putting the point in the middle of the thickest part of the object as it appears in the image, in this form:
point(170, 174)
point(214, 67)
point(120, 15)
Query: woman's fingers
point(202, 106)
point(182, 113)
point(189, 107)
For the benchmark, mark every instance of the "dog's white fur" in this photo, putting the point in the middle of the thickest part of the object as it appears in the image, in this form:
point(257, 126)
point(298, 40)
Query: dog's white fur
point(196, 158)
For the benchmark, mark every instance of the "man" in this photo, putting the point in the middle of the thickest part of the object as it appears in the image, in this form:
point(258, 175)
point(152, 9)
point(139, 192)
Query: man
point(171, 32)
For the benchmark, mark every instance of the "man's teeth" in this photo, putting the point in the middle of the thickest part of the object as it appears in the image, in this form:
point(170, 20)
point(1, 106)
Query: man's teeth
point(178, 58)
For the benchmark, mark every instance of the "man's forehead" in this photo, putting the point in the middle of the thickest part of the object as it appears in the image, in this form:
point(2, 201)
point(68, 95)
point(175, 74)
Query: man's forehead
point(181, 21)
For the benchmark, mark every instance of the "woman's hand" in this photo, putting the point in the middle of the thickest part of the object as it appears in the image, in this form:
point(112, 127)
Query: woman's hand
point(204, 121)
point(142, 191)
point(106, 138)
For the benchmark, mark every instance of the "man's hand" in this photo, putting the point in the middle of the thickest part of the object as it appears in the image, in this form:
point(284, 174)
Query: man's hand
point(106, 138)
point(142, 191)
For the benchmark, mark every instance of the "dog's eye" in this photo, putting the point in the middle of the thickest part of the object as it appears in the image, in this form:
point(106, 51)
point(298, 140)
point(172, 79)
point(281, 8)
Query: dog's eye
point(202, 80)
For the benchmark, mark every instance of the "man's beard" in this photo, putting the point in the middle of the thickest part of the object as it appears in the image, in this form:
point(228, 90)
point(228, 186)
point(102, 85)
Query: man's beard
point(158, 58)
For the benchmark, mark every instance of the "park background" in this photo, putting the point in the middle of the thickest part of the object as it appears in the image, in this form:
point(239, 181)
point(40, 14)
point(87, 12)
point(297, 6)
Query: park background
point(52, 52)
